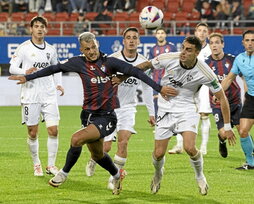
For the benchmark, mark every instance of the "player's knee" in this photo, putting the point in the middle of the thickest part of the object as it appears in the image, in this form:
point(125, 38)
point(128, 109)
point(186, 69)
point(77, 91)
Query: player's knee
point(123, 144)
point(32, 133)
point(75, 141)
point(190, 150)
point(106, 148)
point(53, 131)
point(158, 154)
point(243, 133)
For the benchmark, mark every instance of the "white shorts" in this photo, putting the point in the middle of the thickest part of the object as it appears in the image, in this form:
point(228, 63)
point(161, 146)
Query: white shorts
point(203, 100)
point(169, 124)
point(32, 112)
point(125, 121)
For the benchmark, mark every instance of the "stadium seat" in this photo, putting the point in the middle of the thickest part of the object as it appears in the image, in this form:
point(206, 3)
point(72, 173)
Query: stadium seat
point(29, 16)
point(172, 7)
point(140, 5)
point(4, 17)
point(63, 16)
point(17, 16)
point(159, 4)
point(53, 32)
point(49, 16)
point(68, 32)
point(73, 17)
point(238, 31)
point(124, 16)
point(187, 6)
point(91, 15)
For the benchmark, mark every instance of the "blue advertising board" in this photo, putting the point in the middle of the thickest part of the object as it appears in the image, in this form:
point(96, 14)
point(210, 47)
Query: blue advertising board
point(69, 46)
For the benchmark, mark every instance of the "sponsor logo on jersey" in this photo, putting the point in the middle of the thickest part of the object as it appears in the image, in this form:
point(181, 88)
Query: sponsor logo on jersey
point(189, 78)
point(131, 80)
point(174, 82)
point(99, 80)
point(40, 64)
point(215, 84)
point(103, 68)
point(221, 77)
point(92, 68)
point(48, 55)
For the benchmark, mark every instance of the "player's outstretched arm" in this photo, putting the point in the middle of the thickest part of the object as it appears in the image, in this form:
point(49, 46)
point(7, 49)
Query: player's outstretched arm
point(168, 91)
point(228, 81)
point(21, 79)
point(220, 95)
point(145, 65)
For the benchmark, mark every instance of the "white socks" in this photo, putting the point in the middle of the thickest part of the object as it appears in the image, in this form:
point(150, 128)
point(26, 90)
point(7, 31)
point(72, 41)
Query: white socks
point(158, 164)
point(33, 146)
point(52, 145)
point(119, 161)
point(205, 130)
point(179, 140)
point(197, 164)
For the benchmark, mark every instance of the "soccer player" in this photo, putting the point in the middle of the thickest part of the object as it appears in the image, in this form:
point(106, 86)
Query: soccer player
point(244, 64)
point(221, 65)
point(162, 46)
point(100, 99)
point(39, 96)
point(127, 97)
point(202, 33)
point(179, 114)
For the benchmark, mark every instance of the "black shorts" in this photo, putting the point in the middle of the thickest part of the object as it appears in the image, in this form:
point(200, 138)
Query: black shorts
point(235, 111)
point(248, 107)
point(105, 121)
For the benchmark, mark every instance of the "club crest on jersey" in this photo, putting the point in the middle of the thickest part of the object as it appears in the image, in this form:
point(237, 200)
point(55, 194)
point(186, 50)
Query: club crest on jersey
point(103, 68)
point(92, 67)
point(189, 77)
point(48, 56)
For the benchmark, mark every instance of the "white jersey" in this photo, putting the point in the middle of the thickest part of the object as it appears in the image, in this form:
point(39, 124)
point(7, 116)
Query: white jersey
point(186, 81)
point(127, 89)
point(205, 52)
point(28, 55)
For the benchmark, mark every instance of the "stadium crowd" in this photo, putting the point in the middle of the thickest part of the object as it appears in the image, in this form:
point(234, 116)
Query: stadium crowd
point(221, 15)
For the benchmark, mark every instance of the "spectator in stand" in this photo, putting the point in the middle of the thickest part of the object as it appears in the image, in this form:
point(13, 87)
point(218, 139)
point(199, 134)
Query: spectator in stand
point(22, 29)
point(80, 6)
point(2, 30)
point(20, 6)
point(63, 6)
point(222, 13)
point(250, 15)
point(6, 6)
point(81, 25)
point(125, 5)
point(206, 13)
point(102, 16)
point(101, 5)
point(236, 12)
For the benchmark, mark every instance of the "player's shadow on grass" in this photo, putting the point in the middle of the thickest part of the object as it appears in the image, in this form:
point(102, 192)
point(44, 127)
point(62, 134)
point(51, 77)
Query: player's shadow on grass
point(127, 196)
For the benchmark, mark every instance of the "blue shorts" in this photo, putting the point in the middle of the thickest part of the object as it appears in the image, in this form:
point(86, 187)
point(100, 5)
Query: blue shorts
point(248, 107)
point(235, 111)
point(105, 121)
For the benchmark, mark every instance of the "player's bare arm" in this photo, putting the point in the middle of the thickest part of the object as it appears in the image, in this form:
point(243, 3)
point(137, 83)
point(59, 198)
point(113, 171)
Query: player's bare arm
point(220, 95)
point(228, 81)
point(31, 70)
point(21, 79)
point(61, 89)
point(145, 66)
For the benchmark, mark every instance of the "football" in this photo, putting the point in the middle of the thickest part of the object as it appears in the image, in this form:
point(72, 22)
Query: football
point(151, 17)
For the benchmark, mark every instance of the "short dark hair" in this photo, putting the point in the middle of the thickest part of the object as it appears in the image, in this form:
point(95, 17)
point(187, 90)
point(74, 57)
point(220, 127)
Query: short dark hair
point(219, 35)
point(248, 32)
point(194, 41)
point(130, 29)
point(41, 19)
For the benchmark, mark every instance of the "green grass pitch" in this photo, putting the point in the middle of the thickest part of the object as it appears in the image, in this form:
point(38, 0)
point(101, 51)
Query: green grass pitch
point(18, 185)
